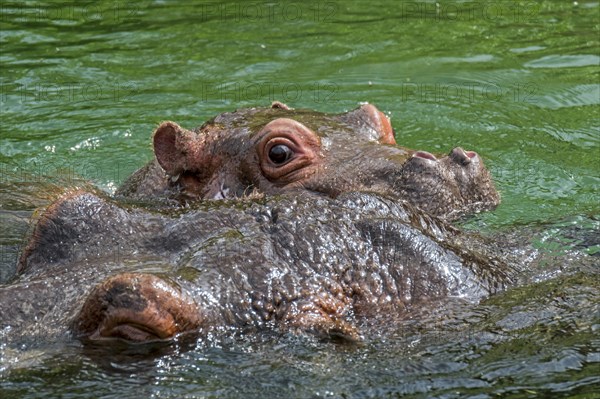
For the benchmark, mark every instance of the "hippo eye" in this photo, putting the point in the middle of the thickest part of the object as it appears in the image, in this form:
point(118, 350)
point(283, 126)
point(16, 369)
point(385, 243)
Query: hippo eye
point(280, 154)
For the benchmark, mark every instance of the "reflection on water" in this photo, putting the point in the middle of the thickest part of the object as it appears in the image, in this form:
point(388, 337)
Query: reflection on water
point(83, 86)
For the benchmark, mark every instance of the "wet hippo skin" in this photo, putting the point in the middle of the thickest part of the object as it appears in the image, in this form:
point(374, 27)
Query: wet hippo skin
point(304, 263)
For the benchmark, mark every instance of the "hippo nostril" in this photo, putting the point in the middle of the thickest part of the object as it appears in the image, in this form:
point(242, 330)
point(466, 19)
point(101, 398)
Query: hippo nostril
point(460, 156)
point(424, 155)
point(133, 332)
point(136, 308)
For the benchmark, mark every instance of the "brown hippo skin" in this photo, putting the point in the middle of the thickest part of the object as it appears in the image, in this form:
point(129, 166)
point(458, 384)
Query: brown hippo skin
point(99, 270)
point(278, 149)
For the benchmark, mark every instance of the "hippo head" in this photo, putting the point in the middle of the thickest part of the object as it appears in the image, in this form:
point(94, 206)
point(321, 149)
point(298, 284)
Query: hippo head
point(452, 186)
point(278, 150)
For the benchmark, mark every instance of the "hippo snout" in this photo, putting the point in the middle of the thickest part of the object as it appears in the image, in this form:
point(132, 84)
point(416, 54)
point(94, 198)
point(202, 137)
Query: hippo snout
point(138, 308)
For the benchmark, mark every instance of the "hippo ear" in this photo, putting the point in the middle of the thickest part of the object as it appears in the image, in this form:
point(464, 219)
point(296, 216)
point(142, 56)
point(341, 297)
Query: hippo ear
point(280, 105)
point(172, 146)
point(380, 122)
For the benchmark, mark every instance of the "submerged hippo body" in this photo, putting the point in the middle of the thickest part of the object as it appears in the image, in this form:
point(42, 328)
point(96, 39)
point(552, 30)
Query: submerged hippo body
point(277, 150)
point(302, 263)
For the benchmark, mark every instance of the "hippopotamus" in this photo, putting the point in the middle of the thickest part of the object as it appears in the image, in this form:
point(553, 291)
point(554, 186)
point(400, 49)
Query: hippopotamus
point(99, 269)
point(279, 149)
point(294, 220)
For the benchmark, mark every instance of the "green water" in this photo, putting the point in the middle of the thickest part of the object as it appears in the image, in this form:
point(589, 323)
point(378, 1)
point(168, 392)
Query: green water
point(82, 88)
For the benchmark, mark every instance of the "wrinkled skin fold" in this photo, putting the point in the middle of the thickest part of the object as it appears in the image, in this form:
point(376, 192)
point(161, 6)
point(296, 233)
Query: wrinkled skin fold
point(305, 263)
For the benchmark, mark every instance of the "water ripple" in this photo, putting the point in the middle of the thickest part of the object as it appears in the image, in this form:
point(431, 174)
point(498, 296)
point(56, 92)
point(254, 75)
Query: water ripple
point(565, 61)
